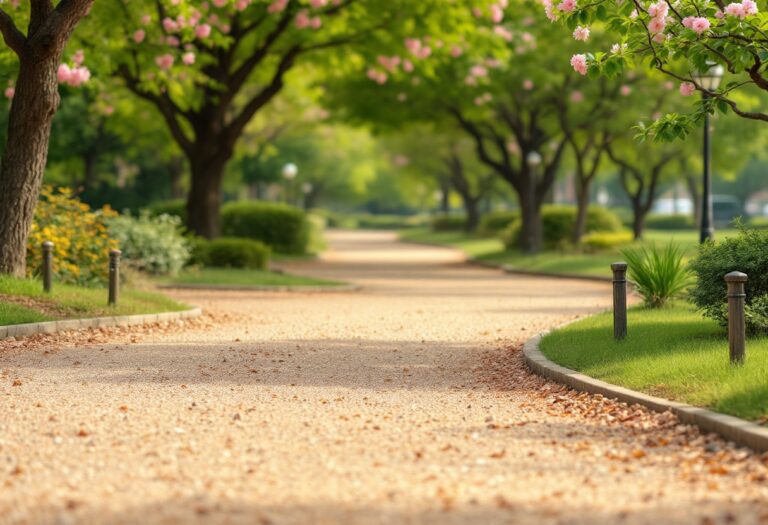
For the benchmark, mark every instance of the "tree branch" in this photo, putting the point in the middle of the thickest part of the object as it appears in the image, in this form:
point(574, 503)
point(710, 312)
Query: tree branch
point(14, 38)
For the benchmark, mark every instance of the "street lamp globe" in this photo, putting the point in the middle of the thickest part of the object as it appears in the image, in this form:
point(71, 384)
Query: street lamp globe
point(290, 171)
point(534, 159)
point(710, 79)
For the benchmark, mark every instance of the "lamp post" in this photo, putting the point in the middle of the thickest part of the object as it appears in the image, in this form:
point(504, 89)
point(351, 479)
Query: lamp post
point(534, 160)
point(289, 173)
point(306, 189)
point(708, 81)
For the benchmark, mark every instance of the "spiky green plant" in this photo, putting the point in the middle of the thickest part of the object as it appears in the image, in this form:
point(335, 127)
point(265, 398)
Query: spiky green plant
point(659, 274)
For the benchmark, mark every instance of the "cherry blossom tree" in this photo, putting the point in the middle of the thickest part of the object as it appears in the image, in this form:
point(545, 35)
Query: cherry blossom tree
point(682, 40)
point(210, 67)
point(36, 56)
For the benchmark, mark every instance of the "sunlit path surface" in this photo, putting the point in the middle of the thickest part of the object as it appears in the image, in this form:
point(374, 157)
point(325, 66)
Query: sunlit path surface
point(404, 402)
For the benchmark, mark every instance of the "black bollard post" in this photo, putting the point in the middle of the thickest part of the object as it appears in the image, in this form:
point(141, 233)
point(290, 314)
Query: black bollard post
point(619, 300)
point(47, 266)
point(737, 329)
point(114, 276)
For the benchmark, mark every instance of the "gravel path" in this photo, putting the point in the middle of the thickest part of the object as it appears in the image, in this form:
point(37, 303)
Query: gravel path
point(404, 403)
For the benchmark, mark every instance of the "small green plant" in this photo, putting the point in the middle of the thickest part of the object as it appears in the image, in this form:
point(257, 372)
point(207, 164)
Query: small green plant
point(231, 252)
point(151, 244)
point(659, 274)
point(746, 252)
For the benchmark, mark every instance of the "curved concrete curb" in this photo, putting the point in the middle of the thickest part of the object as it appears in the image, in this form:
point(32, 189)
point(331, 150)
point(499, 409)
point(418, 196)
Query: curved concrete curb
point(49, 327)
point(732, 428)
point(516, 271)
point(235, 288)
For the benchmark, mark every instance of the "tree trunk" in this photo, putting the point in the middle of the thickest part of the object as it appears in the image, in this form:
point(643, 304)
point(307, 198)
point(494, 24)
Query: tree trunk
point(204, 198)
point(582, 206)
point(638, 221)
point(693, 188)
point(531, 231)
point(25, 155)
point(175, 172)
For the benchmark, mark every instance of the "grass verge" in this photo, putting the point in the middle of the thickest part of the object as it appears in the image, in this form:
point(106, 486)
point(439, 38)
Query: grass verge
point(555, 261)
point(23, 301)
point(671, 353)
point(245, 278)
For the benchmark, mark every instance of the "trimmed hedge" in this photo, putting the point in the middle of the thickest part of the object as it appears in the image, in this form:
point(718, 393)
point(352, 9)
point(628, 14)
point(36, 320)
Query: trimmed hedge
point(558, 223)
point(598, 241)
point(497, 221)
point(284, 228)
point(231, 252)
point(448, 223)
point(174, 207)
point(669, 222)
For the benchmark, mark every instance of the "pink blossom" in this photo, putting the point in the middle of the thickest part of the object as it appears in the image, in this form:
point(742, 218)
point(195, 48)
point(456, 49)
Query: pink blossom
point(579, 63)
point(456, 51)
point(188, 58)
point(165, 61)
point(625, 90)
point(277, 6)
point(567, 6)
point(317, 4)
point(700, 24)
point(63, 73)
point(657, 25)
point(527, 84)
point(316, 22)
point(497, 14)
point(581, 33)
point(302, 19)
point(577, 96)
point(503, 32)
point(146, 20)
point(10, 91)
point(659, 9)
point(687, 89)
point(139, 36)
point(203, 31)
point(407, 66)
point(169, 24)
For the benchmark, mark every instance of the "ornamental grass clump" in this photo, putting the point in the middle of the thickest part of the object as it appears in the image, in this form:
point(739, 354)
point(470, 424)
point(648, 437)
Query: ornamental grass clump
point(659, 274)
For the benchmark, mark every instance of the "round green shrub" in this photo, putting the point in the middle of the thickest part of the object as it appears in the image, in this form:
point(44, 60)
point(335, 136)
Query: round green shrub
point(232, 252)
point(746, 252)
point(448, 223)
point(497, 221)
point(151, 244)
point(284, 228)
point(599, 241)
point(558, 223)
point(669, 222)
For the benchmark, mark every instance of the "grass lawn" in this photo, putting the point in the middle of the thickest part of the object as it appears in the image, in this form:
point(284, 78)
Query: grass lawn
point(672, 353)
point(566, 262)
point(243, 277)
point(23, 301)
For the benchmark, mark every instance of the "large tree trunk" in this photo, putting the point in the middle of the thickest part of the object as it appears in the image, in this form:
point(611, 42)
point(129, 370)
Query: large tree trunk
point(582, 206)
point(204, 198)
point(25, 156)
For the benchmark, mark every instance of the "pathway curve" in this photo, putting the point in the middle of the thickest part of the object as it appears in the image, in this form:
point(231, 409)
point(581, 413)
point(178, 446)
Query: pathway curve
point(405, 402)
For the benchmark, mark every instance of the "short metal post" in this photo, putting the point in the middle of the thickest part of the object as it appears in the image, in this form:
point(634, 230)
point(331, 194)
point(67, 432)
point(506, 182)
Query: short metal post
point(737, 329)
point(619, 300)
point(114, 276)
point(47, 266)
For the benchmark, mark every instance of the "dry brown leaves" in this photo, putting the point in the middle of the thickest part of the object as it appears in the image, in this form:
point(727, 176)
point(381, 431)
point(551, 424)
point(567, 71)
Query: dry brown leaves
point(640, 434)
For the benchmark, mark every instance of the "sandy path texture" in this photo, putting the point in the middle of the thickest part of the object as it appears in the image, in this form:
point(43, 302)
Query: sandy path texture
point(405, 402)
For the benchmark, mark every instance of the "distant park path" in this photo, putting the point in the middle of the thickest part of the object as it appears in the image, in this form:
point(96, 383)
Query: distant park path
point(405, 402)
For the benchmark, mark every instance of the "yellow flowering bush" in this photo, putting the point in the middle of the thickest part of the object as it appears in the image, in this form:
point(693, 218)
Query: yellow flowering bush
point(81, 241)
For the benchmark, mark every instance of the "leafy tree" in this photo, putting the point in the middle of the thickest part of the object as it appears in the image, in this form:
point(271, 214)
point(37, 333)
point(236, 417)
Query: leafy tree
point(210, 67)
point(36, 58)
